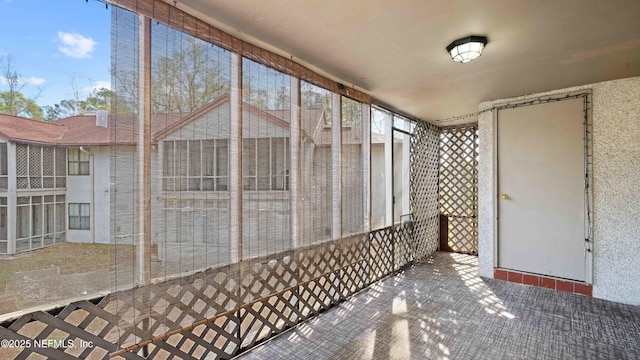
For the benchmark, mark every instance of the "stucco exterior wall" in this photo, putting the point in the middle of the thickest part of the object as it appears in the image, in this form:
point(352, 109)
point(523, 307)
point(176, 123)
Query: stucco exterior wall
point(102, 196)
point(616, 189)
point(123, 195)
point(80, 189)
point(211, 125)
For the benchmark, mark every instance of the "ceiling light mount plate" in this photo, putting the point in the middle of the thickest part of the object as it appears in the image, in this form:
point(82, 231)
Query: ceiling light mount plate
point(467, 48)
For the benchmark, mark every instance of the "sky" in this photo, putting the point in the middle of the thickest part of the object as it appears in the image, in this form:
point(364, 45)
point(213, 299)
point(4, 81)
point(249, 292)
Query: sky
point(55, 42)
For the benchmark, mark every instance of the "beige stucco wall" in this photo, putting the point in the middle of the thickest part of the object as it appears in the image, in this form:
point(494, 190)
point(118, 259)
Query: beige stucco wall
point(616, 188)
point(123, 195)
point(79, 190)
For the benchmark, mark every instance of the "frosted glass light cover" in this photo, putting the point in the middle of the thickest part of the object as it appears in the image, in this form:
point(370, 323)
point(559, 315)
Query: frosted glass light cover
point(467, 49)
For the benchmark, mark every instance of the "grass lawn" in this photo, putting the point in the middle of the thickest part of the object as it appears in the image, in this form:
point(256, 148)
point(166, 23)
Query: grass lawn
point(53, 275)
point(69, 258)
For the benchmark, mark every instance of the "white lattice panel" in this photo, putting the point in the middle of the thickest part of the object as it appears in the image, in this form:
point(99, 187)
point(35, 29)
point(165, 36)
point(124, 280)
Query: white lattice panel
point(424, 188)
point(458, 194)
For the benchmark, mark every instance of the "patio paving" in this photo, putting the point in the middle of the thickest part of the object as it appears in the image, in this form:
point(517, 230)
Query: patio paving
point(442, 309)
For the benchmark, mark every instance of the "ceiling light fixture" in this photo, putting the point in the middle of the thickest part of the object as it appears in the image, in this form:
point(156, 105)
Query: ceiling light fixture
point(467, 49)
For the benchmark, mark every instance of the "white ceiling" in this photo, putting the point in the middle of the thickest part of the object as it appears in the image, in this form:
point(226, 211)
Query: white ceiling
point(395, 50)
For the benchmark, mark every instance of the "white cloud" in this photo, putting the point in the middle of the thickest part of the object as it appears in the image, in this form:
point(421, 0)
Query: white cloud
point(31, 81)
point(35, 81)
point(97, 86)
point(76, 45)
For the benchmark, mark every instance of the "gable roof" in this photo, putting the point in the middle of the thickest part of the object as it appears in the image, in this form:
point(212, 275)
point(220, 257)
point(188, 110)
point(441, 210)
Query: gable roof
point(82, 130)
point(280, 118)
point(175, 125)
point(122, 129)
point(19, 129)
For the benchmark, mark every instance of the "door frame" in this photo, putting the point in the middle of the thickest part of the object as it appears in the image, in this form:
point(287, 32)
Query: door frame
point(407, 134)
point(586, 95)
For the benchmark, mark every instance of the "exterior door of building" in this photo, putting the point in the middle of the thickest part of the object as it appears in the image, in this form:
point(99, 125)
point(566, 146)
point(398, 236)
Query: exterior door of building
point(541, 179)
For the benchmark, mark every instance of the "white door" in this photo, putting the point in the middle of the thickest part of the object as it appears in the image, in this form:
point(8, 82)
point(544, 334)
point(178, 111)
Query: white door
point(541, 189)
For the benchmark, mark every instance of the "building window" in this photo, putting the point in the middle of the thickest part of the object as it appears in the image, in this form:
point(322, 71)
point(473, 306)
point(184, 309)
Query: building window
point(78, 162)
point(79, 217)
point(23, 223)
point(3, 226)
point(61, 168)
point(265, 164)
point(39, 221)
point(196, 165)
point(39, 167)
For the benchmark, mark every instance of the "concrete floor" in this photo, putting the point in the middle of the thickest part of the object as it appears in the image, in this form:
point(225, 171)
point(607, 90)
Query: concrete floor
point(441, 309)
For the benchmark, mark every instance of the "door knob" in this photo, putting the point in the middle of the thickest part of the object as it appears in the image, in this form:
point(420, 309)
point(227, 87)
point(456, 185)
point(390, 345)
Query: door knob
point(504, 196)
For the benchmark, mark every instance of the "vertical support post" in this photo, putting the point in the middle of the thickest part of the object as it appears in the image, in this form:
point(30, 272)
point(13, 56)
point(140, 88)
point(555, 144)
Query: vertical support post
point(294, 176)
point(406, 157)
point(144, 158)
point(392, 180)
point(12, 198)
point(336, 138)
point(444, 234)
point(235, 160)
point(476, 178)
point(144, 150)
point(235, 179)
point(388, 168)
point(294, 147)
point(366, 165)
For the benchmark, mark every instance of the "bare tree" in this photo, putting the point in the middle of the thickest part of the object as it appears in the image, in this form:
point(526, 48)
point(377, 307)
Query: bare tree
point(14, 101)
point(187, 79)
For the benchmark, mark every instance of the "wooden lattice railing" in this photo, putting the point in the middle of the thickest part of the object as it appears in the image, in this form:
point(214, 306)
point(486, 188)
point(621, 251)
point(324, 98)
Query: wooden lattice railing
point(217, 313)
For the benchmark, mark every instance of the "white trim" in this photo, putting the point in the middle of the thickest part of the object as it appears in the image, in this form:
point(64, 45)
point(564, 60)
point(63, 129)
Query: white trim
point(235, 148)
point(366, 165)
point(336, 131)
point(140, 150)
point(294, 148)
point(388, 167)
point(406, 158)
point(494, 193)
point(12, 198)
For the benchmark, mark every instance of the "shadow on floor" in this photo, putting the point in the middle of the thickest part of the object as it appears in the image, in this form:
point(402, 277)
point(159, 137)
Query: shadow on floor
point(442, 309)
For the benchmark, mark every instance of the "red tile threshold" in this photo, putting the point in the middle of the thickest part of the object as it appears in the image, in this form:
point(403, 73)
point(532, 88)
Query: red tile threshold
point(543, 281)
point(500, 274)
point(529, 279)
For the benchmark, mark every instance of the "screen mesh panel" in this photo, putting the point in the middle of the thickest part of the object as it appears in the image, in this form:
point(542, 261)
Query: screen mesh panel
point(266, 160)
point(351, 162)
point(380, 168)
point(316, 172)
point(190, 116)
point(238, 200)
